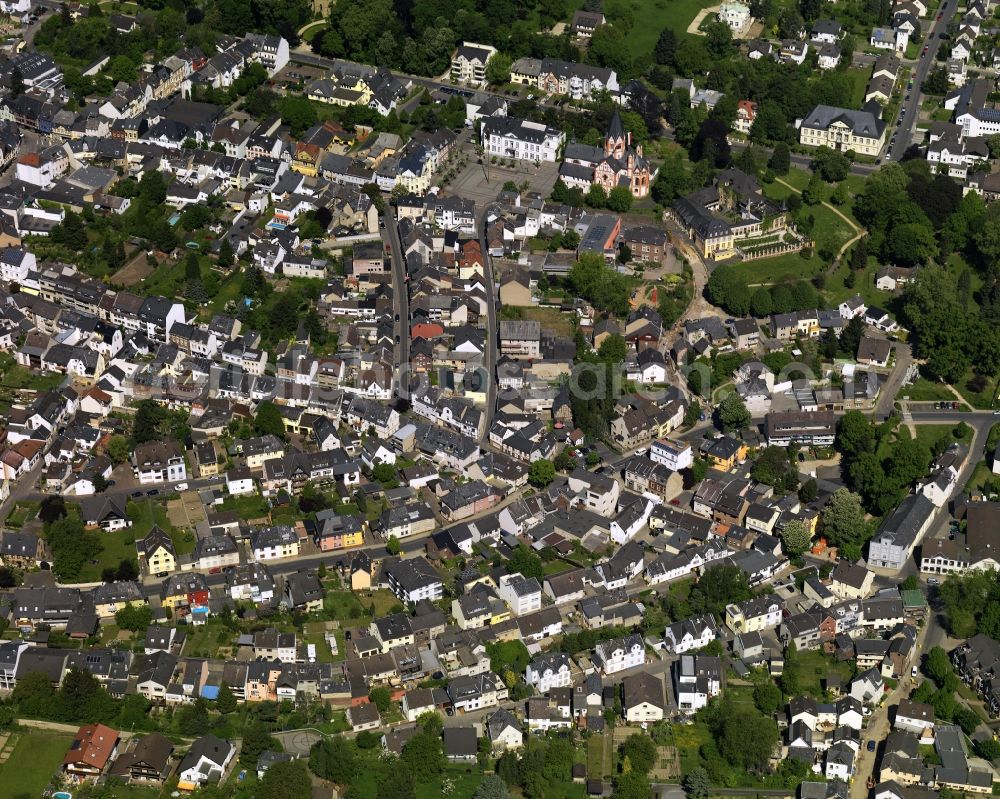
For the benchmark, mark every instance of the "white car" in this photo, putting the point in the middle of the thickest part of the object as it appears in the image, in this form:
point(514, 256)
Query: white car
point(913, 672)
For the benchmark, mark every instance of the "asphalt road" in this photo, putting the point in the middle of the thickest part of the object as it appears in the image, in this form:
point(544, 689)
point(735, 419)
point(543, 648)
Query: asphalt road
point(401, 303)
point(904, 358)
point(492, 331)
point(908, 120)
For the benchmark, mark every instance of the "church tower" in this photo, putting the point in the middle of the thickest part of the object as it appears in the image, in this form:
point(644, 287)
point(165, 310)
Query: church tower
point(615, 142)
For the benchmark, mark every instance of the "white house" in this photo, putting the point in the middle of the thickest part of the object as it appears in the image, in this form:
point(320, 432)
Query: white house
point(207, 759)
point(239, 481)
point(597, 492)
point(755, 614)
point(914, 717)
point(840, 761)
point(642, 698)
point(735, 14)
point(548, 671)
point(522, 594)
point(504, 731)
point(693, 633)
point(521, 139)
point(851, 307)
point(698, 678)
point(675, 455)
point(620, 654)
point(868, 687)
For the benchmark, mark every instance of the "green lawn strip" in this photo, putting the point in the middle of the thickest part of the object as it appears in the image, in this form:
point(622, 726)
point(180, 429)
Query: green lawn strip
point(859, 79)
point(982, 478)
point(836, 290)
point(923, 390)
point(984, 397)
point(247, 507)
point(37, 756)
point(790, 266)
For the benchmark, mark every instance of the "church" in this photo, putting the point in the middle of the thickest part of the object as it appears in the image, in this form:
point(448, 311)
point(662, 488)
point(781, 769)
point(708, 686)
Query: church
point(618, 163)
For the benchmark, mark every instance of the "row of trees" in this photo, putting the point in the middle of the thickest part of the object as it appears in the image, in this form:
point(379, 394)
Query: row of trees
point(81, 699)
point(972, 604)
point(880, 472)
point(730, 291)
point(419, 37)
point(940, 691)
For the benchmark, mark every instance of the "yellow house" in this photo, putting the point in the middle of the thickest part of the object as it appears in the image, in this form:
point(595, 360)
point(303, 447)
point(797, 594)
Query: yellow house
point(174, 594)
point(348, 91)
point(112, 597)
point(156, 550)
point(361, 572)
point(415, 172)
point(725, 452)
point(499, 615)
point(306, 160)
point(808, 324)
point(524, 72)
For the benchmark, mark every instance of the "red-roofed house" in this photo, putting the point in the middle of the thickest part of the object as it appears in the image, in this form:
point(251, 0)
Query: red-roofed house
point(97, 402)
point(427, 330)
point(746, 113)
point(32, 168)
point(92, 749)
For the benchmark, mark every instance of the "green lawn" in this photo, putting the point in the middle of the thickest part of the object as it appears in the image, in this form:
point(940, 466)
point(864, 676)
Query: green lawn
point(790, 266)
point(35, 758)
point(167, 279)
point(976, 396)
point(148, 512)
point(17, 376)
point(229, 289)
point(205, 640)
point(22, 513)
point(859, 77)
point(652, 16)
point(814, 667)
point(830, 230)
point(118, 546)
point(924, 390)
point(930, 434)
point(689, 738)
point(248, 507)
point(351, 607)
point(464, 780)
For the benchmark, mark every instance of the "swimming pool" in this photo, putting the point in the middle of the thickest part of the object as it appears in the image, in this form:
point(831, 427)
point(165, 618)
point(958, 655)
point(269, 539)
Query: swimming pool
point(62, 795)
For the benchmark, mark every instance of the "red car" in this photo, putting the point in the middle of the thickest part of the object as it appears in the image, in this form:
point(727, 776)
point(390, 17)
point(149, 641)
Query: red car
point(675, 501)
point(939, 17)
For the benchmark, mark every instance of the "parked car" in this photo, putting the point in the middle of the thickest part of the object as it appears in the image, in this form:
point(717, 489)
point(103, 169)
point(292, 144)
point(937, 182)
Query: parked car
point(871, 746)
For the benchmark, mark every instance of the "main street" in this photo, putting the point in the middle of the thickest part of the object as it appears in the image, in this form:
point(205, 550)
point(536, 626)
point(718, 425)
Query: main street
point(401, 304)
point(492, 329)
point(911, 103)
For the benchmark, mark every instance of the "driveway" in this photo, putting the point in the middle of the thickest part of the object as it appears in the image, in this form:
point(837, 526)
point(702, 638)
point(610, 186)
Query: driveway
point(904, 360)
